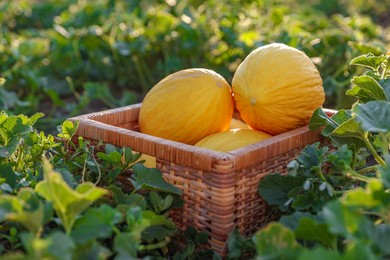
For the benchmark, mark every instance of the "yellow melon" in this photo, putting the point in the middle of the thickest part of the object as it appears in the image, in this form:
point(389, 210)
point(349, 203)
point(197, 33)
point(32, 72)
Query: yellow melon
point(232, 139)
point(276, 88)
point(187, 106)
point(237, 123)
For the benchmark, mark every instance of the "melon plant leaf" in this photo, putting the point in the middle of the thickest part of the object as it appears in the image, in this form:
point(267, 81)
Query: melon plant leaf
point(309, 229)
point(319, 119)
point(11, 146)
point(380, 235)
point(91, 250)
point(274, 189)
point(95, 223)
point(68, 203)
point(373, 116)
point(349, 128)
point(26, 209)
point(56, 245)
point(366, 89)
point(14, 125)
point(359, 249)
point(369, 197)
point(126, 246)
point(368, 60)
point(342, 220)
point(292, 220)
point(8, 174)
point(121, 198)
point(67, 129)
point(158, 232)
point(276, 242)
point(151, 179)
point(385, 172)
point(319, 253)
point(385, 83)
point(311, 159)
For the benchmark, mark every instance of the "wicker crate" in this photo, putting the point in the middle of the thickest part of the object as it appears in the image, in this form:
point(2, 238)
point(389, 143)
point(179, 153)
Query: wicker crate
point(220, 190)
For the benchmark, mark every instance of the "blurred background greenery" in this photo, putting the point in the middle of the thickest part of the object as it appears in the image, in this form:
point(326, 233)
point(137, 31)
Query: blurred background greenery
point(67, 57)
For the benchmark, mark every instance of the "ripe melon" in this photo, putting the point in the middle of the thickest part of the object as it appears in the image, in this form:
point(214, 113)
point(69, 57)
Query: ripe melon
point(237, 123)
point(277, 88)
point(187, 106)
point(232, 139)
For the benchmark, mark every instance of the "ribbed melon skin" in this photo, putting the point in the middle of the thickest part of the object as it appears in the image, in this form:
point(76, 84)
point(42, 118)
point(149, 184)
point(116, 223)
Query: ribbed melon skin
point(232, 139)
point(277, 88)
point(187, 105)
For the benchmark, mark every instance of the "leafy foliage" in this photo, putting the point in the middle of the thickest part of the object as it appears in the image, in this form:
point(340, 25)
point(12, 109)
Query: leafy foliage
point(67, 57)
point(335, 203)
point(61, 199)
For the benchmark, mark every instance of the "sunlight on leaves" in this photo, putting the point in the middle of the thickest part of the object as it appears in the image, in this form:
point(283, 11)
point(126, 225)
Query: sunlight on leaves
point(68, 203)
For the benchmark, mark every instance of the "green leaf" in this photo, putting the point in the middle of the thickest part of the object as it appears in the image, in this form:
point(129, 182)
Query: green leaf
point(127, 199)
point(342, 220)
point(95, 223)
point(110, 149)
point(338, 118)
point(276, 242)
point(34, 47)
point(151, 179)
point(349, 128)
point(381, 236)
point(57, 245)
point(368, 60)
point(385, 83)
point(238, 245)
point(320, 119)
point(68, 203)
point(14, 125)
point(292, 221)
point(311, 159)
point(309, 200)
point(341, 159)
point(10, 148)
point(130, 156)
point(67, 129)
point(126, 246)
point(91, 250)
point(26, 209)
point(366, 89)
point(115, 157)
point(274, 189)
point(358, 249)
point(9, 175)
point(319, 253)
point(385, 172)
point(158, 232)
point(374, 116)
point(308, 229)
point(363, 197)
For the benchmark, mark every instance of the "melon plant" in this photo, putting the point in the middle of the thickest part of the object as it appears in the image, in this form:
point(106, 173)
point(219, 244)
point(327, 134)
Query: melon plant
point(276, 88)
point(187, 106)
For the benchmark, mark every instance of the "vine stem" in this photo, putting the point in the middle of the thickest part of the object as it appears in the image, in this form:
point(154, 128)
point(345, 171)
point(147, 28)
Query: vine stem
point(368, 169)
point(372, 150)
point(358, 176)
point(156, 245)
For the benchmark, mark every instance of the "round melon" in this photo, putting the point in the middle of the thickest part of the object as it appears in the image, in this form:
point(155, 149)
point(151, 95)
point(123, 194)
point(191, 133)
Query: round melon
point(187, 106)
point(277, 88)
point(232, 139)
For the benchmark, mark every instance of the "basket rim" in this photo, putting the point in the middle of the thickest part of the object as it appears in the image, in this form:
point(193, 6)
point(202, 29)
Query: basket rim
point(202, 158)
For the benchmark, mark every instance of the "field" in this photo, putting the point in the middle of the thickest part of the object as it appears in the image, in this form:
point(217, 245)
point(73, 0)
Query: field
point(63, 58)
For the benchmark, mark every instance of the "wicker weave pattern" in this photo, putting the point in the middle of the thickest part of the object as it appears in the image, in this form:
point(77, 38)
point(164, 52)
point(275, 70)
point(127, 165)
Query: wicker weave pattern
point(220, 190)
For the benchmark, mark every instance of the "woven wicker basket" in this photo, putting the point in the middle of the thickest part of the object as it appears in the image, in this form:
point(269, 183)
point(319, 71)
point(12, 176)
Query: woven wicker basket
point(220, 190)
